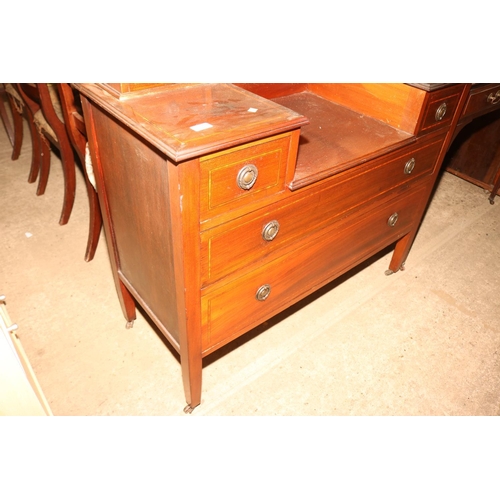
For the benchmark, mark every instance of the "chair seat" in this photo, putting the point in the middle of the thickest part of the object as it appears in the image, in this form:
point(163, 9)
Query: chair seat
point(43, 125)
point(18, 101)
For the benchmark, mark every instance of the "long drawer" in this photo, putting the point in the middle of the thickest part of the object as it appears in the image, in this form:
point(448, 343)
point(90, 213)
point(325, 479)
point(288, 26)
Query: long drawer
point(239, 305)
point(260, 235)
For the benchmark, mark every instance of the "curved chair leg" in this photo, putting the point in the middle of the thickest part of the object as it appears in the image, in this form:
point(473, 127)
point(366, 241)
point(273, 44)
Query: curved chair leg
point(68, 164)
point(36, 151)
point(4, 116)
point(18, 129)
point(44, 162)
point(95, 221)
point(16, 132)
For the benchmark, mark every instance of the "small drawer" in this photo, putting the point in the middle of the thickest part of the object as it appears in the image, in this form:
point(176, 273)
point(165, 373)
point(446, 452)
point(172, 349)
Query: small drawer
point(239, 305)
point(243, 176)
point(440, 108)
point(483, 99)
point(242, 243)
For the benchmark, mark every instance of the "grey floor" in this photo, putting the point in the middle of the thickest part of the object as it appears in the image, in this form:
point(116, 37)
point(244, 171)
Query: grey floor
point(425, 341)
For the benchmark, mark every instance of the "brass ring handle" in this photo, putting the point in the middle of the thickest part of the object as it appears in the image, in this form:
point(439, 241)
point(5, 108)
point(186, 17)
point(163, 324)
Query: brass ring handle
point(440, 112)
point(263, 292)
point(247, 176)
point(410, 165)
point(494, 98)
point(270, 230)
point(391, 221)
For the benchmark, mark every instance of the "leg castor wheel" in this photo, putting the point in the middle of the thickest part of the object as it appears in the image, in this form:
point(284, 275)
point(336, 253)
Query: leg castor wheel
point(390, 271)
point(188, 409)
point(492, 201)
point(129, 324)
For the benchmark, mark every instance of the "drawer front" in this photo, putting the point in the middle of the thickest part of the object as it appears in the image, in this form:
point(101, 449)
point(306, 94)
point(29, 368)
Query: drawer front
point(240, 244)
point(244, 176)
point(440, 108)
point(230, 310)
point(483, 100)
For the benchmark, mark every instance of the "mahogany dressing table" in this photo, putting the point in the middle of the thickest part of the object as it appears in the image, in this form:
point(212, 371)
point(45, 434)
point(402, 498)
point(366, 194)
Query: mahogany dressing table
point(224, 204)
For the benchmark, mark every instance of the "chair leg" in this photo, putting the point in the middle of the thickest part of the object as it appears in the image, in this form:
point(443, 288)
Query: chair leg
point(95, 222)
point(4, 116)
point(44, 162)
point(18, 129)
point(36, 150)
point(68, 164)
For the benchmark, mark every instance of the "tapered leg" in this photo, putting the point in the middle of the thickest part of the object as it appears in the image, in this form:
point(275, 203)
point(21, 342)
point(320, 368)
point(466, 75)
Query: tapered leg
point(496, 187)
point(191, 364)
point(127, 302)
point(400, 253)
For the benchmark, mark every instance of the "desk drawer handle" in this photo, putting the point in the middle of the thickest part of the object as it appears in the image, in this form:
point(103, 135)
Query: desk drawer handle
point(441, 111)
point(270, 230)
point(494, 98)
point(410, 165)
point(247, 176)
point(263, 292)
point(391, 221)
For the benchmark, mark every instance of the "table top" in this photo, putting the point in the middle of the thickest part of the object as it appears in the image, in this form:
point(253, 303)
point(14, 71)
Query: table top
point(186, 121)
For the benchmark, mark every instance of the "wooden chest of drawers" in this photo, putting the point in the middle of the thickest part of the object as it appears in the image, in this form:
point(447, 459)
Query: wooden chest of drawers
point(225, 204)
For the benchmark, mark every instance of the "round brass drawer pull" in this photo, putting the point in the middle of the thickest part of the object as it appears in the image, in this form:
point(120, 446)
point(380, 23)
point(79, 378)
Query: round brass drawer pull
point(263, 292)
point(410, 165)
point(440, 112)
point(247, 176)
point(391, 221)
point(494, 98)
point(270, 230)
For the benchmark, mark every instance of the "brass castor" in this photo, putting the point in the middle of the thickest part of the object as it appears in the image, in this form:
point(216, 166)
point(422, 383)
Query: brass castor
point(188, 409)
point(129, 324)
point(390, 271)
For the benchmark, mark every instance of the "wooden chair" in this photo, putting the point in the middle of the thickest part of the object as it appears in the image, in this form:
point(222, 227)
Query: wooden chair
point(75, 126)
point(44, 110)
point(14, 129)
point(10, 96)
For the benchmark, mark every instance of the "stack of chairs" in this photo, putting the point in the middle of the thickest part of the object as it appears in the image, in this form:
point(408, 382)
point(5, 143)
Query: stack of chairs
point(54, 116)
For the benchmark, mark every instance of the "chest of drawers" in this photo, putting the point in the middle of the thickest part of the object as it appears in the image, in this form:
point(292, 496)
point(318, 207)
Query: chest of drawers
point(225, 204)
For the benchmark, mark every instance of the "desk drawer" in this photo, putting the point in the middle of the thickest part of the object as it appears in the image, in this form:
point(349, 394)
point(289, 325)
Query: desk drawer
point(440, 108)
point(243, 242)
point(483, 99)
point(232, 309)
point(243, 176)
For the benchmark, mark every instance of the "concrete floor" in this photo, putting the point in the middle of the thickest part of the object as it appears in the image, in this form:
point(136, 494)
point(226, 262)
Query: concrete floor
point(425, 341)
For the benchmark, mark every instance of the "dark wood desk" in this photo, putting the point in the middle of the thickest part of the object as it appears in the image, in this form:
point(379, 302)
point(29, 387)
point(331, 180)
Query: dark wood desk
point(225, 204)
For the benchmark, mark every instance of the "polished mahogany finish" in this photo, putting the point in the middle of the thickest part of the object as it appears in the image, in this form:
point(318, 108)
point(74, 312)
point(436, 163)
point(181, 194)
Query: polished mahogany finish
point(475, 152)
point(224, 204)
point(43, 103)
point(10, 98)
point(14, 127)
point(77, 134)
